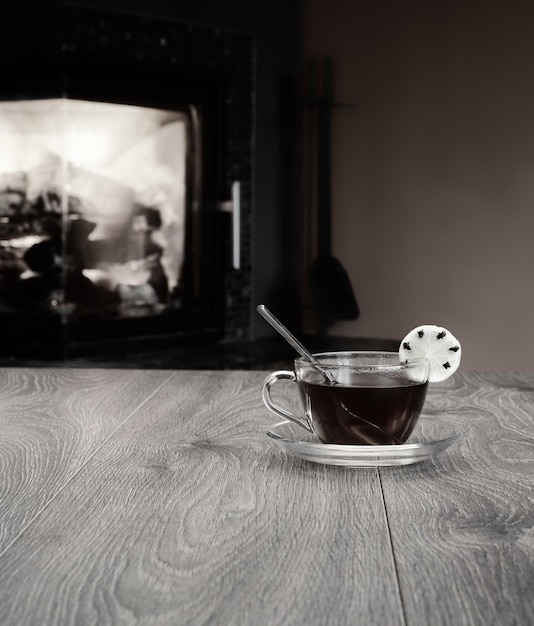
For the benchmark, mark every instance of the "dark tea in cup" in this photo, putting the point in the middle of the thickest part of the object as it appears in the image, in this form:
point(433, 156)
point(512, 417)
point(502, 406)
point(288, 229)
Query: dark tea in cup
point(357, 398)
point(381, 411)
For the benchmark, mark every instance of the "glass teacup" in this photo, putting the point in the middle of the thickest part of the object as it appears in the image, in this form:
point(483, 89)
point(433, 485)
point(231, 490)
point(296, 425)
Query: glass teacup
point(358, 398)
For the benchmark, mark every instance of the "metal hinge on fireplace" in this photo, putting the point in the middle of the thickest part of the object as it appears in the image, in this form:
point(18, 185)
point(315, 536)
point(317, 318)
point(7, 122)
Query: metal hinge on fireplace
point(233, 206)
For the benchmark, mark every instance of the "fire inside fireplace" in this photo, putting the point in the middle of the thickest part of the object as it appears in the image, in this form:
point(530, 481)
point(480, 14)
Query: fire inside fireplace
point(93, 207)
point(121, 143)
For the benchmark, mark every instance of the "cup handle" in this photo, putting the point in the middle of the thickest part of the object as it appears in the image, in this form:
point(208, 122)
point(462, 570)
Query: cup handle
point(275, 408)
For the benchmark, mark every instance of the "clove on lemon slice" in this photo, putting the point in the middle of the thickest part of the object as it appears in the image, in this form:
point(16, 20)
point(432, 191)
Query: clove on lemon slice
point(435, 344)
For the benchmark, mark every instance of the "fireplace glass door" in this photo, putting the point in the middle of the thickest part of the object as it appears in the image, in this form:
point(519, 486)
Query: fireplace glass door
point(100, 215)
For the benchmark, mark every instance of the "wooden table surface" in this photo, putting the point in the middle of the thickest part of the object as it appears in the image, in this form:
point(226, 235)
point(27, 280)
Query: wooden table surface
point(155, 497)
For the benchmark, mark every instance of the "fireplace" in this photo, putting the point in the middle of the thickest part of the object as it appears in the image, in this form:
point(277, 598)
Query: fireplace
point(125, 178)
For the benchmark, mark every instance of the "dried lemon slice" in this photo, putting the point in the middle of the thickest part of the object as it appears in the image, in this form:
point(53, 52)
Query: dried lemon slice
point(436, 344)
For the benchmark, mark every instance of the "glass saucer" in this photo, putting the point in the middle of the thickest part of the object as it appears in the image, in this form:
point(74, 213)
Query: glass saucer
point(429, 438)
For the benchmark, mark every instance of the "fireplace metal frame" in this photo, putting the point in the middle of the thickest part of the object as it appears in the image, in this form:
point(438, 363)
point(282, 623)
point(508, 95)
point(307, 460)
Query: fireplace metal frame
point(108, 56)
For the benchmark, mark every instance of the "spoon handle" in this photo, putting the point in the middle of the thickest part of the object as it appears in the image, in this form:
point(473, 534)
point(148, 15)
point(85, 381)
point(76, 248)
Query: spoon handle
point(292, 340)
point(282, 330)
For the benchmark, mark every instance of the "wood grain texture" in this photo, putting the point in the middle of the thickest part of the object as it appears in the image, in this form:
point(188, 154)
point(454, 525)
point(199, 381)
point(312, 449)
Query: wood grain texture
point(190, 515)
point(51, 422)
point(159, 500)
point(463, 525)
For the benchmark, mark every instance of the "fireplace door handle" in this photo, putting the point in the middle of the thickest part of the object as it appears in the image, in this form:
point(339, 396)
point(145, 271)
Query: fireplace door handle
point(234, 207)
